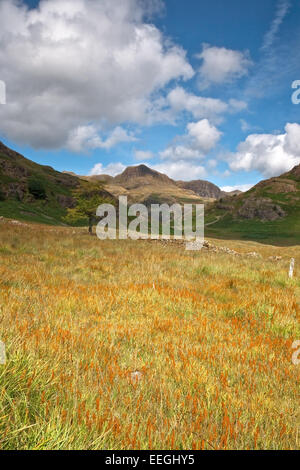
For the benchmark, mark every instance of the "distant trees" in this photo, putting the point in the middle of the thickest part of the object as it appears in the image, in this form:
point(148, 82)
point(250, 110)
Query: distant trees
point(88, 197)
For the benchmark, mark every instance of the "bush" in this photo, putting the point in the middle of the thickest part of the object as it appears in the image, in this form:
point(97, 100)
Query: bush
point(37, 189)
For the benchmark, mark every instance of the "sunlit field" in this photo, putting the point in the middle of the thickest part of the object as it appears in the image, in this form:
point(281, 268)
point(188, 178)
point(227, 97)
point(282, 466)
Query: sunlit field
point(139, 345)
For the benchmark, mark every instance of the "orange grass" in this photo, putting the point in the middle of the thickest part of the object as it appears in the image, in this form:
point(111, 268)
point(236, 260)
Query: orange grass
point(212, 343)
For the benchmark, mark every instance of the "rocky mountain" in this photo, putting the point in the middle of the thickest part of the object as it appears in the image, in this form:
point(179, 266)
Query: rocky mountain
point(202, 188)
point(142, 184)
point(145, 185)
point(268, 211)
point(141, 174)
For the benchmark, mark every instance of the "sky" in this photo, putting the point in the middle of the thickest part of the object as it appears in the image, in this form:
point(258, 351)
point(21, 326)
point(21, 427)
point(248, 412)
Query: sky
point(194, 89)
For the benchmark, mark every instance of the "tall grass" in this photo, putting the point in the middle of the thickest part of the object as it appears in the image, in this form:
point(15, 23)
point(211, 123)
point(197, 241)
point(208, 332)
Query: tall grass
point(211, 340)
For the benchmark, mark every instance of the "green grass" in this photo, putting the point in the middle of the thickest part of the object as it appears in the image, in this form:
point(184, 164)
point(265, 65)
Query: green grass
point(39, 211)
point(283, 231)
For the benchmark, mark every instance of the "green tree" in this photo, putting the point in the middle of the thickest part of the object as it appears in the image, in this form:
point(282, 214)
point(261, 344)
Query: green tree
point(88, 197)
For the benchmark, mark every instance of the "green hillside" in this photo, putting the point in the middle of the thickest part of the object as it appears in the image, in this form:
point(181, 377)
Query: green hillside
point(269, 212)
point(33, 192)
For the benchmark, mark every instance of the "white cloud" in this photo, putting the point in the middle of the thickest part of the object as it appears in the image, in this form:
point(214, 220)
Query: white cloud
point(142, 155)
point(238, 187)
point(292, 141)
point(112, 169)
point(87, 137)
point(204, 136)
point(200, 138)
point(198, 106)
point(71, 63)
point(180, 152)
point(269, 154)
point(221, 65)
point(181, 170)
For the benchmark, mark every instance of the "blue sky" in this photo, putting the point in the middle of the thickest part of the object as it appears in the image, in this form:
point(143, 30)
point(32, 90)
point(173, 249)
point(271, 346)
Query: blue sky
point(195, 89)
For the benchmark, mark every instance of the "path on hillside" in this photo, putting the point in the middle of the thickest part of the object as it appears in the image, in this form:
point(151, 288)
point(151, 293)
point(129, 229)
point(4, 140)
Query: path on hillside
point(219, 217)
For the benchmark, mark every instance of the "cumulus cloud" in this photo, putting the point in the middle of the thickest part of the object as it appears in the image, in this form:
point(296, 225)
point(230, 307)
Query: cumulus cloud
point(269, 154)
point(198, 106)
point(112, 169)
point(69, 63)
point(142, 155)
point(181, 170)
point(221, 65)
point(201, 137)
point(204, 136)
point(87, 138)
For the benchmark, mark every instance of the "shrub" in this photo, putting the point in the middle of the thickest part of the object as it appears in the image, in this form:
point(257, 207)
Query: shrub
point(36, 188)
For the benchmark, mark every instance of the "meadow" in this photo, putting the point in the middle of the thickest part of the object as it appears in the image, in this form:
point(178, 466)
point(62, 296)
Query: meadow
point(142, 345)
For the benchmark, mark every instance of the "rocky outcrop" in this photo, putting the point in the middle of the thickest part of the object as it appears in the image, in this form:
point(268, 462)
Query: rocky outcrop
point(202, 188)
point(261, 208)
point(65, 201)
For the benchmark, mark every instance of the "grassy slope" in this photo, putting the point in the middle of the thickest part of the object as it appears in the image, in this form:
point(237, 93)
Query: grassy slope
point(212, 341)
point(55, 183)
point(285, 231)
point(38, 211)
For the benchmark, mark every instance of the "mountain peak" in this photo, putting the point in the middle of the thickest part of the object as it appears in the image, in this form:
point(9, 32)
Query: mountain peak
point(138, 171)
point(132, 173)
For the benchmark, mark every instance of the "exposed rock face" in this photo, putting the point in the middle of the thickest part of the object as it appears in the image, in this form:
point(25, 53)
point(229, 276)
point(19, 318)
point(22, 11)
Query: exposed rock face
point(65, 201)
point(202, 188)
point(15, 190)
point(224, 206)
point(8, 168)
point(261, 208)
